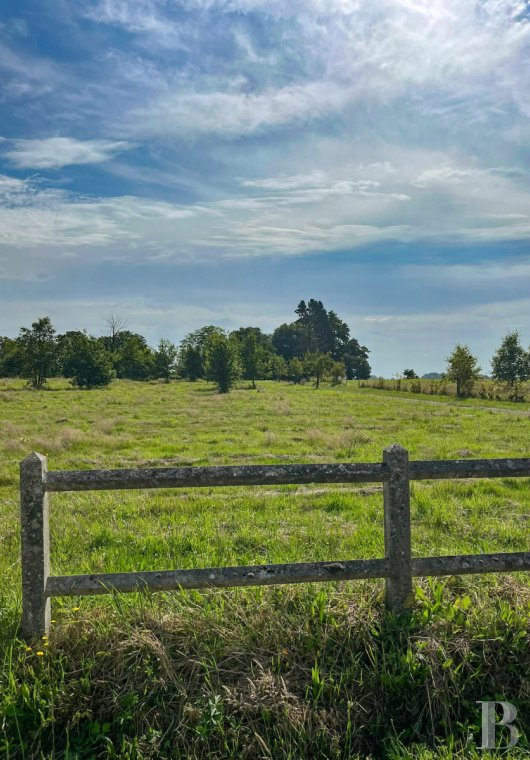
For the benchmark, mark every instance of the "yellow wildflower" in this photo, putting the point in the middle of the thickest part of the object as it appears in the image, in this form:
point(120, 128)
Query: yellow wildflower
point(39, 654)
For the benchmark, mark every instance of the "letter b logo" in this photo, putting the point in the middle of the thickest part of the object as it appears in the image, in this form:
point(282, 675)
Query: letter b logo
point(489, 723)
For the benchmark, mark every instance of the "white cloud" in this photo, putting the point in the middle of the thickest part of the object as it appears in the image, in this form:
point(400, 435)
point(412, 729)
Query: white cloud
point(233, 114)
point(425, 197)
point(24, 75)
point(143, 18)
point(470, 57)
point(56, 152)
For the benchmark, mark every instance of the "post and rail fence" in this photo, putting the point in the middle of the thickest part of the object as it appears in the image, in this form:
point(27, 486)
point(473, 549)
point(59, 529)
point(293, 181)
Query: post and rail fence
point(398, 567)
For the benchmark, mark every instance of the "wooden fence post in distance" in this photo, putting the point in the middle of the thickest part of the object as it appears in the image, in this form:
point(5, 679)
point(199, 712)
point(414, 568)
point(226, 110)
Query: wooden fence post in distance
point(396, 490)
point(35, 546)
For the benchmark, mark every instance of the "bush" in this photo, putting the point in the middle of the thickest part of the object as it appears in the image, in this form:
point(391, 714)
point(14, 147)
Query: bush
point(86, 363)
point(222, 362)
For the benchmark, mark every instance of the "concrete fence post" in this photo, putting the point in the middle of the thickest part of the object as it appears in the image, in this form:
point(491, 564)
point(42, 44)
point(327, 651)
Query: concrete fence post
point(35, 546)
point(399, 594)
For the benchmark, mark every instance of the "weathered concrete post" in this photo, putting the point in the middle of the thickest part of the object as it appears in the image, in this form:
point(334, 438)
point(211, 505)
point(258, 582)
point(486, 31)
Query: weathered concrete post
point(399, 594)
point(35, 544)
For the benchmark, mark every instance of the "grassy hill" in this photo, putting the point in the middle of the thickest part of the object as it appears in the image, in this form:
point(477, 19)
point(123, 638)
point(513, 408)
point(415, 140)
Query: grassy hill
point(317, 671)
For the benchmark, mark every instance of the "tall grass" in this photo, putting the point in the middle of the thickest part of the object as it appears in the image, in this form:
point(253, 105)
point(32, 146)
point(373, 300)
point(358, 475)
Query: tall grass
point(316, 671)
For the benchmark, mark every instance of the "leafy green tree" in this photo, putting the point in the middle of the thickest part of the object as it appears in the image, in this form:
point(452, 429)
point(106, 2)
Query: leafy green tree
point(251, 355)
point(296, 370)
point(11, 359)
point(200, 338)
point(255, 350)
point(135, 359)
point(463, 369)
point(337, 372)
point(409, 374)
point(192, 351)
point(165, 359)
point(317, 330)
point(191, 365)
point(86, 362)
point(276, 367)
point(65, 342)
point(510, 363)
point(317, 365)
point(115, 346)
point(39, 352)
point(324, 331)
point(222, 362)
point(305, 323)
point(264, 341)
point(355, 359)
point(289, 341)
point(341, 335)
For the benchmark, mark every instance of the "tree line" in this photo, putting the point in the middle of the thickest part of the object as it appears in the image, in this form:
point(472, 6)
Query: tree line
point(510, 369)
point(315, 346)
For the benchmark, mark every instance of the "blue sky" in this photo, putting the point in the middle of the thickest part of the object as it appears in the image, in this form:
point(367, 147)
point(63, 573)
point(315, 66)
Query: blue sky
point(215, 161)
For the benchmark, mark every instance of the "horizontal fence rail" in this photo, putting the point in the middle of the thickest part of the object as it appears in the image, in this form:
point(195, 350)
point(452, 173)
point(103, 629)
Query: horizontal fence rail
point(398, 567)
point(276, 474)
point(268, 575)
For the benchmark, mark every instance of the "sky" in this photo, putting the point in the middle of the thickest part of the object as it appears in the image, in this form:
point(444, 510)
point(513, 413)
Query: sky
point(216, 161)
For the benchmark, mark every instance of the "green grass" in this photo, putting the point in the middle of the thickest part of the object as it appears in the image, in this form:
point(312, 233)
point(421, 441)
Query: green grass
point(290, 672)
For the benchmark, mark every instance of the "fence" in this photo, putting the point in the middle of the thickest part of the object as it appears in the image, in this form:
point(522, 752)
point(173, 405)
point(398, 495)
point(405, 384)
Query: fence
point(397, 567)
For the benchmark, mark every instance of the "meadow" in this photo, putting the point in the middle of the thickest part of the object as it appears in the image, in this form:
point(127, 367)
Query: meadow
point(317, 671)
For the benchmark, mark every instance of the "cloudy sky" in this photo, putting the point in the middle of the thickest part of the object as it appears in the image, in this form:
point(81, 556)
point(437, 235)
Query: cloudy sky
point(215, 161)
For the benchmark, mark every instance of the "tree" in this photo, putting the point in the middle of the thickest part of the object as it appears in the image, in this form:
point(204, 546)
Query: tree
point(199, 338)
point(192, 351)
point(11, 359)
point(510, 363)
point(337, 372)
point(191, 363)
point(305, 323)
point(222, 362)
point(135, 359)
point(86, 362)
point(355, 358)
point(255, 350)
point(296, 370)
point(409, 374)
point(317, 365)
point(289, 341)
point(463, 369)
point(276, 367)
point(250, 357)
point(115, 326)
point(165, 359)
point(317, 330)
point(39, 353)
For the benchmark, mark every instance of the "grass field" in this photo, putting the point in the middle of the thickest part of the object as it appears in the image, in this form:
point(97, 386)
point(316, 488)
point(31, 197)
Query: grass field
point(293, 672)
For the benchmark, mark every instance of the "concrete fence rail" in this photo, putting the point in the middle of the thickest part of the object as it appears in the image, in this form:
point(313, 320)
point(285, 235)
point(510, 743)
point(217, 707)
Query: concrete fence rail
point(398, 567)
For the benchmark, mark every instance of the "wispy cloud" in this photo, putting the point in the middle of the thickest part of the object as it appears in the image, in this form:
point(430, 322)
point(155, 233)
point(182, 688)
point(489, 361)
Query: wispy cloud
point(235, 113)
point(339, 53)
point(56, 152)
point(419, 196)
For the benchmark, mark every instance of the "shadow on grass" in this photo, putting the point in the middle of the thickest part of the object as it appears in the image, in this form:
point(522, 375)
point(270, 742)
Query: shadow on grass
point(314, 672)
